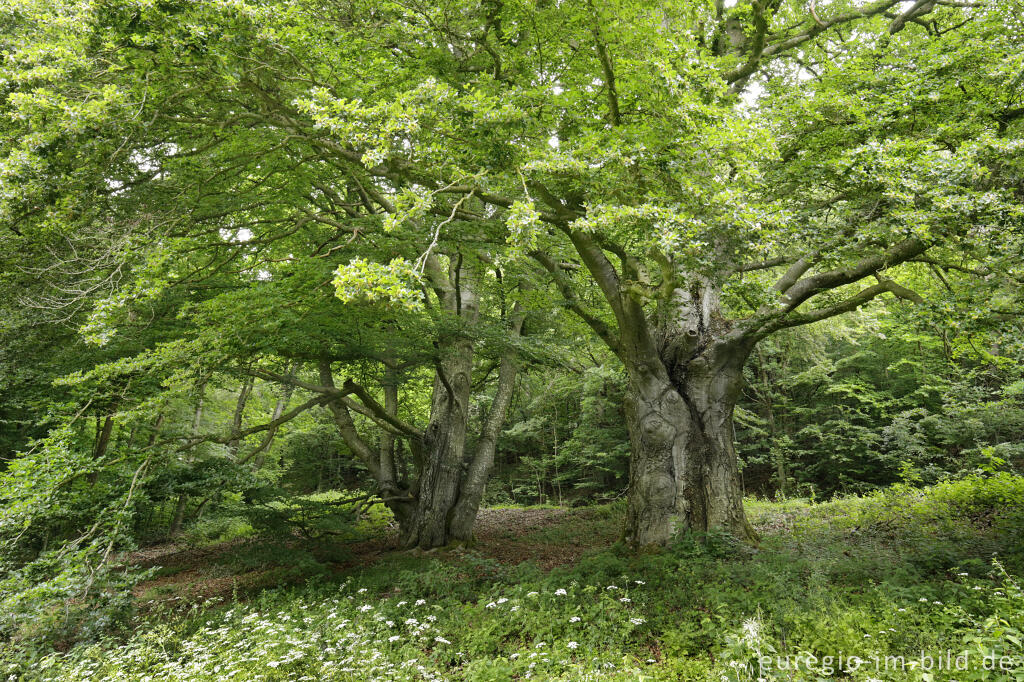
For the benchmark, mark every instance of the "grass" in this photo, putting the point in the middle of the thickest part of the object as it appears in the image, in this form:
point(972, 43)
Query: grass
point(897, 578)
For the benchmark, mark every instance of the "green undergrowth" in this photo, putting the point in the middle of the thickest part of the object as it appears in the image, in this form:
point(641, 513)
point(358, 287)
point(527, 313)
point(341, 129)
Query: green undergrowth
point(899, 585)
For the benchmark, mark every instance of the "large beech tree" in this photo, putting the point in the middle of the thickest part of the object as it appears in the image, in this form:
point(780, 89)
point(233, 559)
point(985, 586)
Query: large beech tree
point(467, 344)
point(692, 177)
point(192, 194)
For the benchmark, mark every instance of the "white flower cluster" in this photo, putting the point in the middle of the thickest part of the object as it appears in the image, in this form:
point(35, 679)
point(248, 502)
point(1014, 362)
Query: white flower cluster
point(352, 635)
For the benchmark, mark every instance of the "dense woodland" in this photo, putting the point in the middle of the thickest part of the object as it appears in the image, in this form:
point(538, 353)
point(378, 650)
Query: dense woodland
point(728, 294)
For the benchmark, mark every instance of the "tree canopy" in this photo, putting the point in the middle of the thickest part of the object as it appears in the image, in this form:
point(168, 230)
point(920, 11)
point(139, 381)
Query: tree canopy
point(229, 227)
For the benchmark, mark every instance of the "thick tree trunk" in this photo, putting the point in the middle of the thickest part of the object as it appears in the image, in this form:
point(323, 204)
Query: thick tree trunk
point(452, 484)
point(444, 440)
point(463, 515)
point(684, 473)
point(439, 506)
point(685, 361)
point(444, 447)
point(684, 381)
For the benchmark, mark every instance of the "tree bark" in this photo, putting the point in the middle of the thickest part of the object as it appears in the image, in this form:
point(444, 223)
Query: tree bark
point(443, 444)
point(684, 473)
point(474, 483)
point(684, 381)
point(444, 440)
point(438, 505)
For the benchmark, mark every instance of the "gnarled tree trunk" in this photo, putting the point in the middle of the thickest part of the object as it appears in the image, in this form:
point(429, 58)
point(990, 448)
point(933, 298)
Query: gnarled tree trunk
point(463, 514)
point(684, 471)
point(439, 505)
point(684, 361)
point(684, 380)
point(444, 443)
point(451, 483)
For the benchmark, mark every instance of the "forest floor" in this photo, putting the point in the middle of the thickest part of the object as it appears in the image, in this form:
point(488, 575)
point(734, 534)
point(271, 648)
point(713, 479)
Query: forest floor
point(546, 536)
point(549, 594)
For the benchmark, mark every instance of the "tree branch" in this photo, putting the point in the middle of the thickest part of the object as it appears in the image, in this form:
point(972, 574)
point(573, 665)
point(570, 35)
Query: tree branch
point(378, 410)
point(572, 300)
point(272, 424)
point(849, 305)
point(793, 294)
point(765, 264)
point(606, 68)
point(347, 428)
